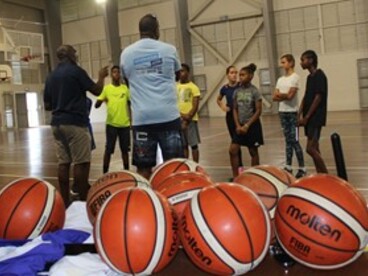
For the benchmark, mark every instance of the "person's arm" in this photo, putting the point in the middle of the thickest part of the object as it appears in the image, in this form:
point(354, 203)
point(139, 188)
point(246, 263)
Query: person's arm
point(97, 88)
point(276, 95)
point(286, 97)
point(221, 104)
point(316, 101)
point(101, 98)
point(194, 110)
point(98, 103)
point(255, 116)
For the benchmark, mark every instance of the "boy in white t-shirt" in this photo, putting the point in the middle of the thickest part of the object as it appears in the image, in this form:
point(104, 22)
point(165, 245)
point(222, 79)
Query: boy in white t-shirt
point(286, 94)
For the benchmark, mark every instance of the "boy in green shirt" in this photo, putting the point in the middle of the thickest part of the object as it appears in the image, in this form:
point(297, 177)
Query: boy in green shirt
point(117, 98)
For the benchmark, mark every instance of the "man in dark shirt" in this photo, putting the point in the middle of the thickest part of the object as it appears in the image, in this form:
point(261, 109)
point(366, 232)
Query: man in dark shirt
point(65, 96)
point(313, 109)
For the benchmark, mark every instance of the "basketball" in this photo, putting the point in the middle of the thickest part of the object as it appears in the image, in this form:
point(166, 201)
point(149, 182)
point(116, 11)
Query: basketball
point(173, 166)
point(180, 187)
point(322, 222)
point(30, 207)
point(136, 232)
point(225, 229)
point(107, 185)
point(268, 182)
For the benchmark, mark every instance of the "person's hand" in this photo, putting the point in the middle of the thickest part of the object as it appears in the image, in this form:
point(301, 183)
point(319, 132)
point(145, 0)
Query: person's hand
point(225, 108)
point(239, 130)
point(244, 129)
point(186, 117)
point(302, 121)
point(104, 72)
point(184, 124)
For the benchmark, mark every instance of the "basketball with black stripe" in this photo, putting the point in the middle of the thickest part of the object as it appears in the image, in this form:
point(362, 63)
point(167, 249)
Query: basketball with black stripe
point(179, 188)
point(136, 232)
point(30, 207)
point(322, 222)
point(172, 166)
point(107, 185)
point(225, 230)
point(268, 182)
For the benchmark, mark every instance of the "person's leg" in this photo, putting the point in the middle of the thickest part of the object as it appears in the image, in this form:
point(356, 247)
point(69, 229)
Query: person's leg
point(63, 178)
point(289, 140)
point(232, 130)
point(124, 143)
point(194, 140)
point(64, 158)
point(171, 144)
point(296, 146)
point(111, 136)
point(195, 153)
point(144, 152)
point(253, 151)
point(80, 148)
point(81, 175)
point(313, 149)
point(186, 152)
point(234, 158)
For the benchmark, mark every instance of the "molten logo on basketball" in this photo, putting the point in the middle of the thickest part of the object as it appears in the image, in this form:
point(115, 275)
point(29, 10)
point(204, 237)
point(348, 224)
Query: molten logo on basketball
point(193, 243)
point(174, 244)
point(97, 203)
point(313, 222)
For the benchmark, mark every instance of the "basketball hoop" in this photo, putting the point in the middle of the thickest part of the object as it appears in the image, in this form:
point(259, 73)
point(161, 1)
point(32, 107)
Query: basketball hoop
point(29, 58)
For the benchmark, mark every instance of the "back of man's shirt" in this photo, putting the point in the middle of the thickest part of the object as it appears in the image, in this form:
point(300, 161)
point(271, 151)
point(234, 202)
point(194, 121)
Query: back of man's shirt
point(65, 91)
point(150, 67)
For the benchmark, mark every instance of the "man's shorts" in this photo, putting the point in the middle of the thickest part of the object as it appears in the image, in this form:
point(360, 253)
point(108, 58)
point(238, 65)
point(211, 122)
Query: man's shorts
point(191, 135)
point(112, 133)
point(313, 132)
point(73, 144)
point(145, 146)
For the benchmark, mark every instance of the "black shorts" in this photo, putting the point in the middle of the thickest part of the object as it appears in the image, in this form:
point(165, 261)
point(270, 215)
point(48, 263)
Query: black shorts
point(253, 138)
point(112, 133)
point(313, 132)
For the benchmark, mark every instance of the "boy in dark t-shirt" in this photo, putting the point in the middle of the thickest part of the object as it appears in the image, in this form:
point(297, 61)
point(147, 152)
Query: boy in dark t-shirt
point(313, 109)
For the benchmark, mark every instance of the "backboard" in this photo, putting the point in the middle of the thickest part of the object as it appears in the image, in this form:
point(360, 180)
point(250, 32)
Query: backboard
point(23, 46)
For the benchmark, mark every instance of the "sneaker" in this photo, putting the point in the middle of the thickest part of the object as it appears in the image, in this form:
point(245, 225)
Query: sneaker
point(74, 190)
point(241, 170)
point(288, 170)
point(231, 179)
point(300, 173)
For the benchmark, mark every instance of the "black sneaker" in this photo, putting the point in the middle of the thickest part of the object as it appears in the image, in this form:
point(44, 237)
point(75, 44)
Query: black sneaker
point(300, 174)
point(74, 190)
point(289, 171)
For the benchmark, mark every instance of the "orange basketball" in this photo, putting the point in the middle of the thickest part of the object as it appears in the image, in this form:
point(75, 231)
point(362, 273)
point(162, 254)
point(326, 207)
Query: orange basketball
point(268, 182)
point(179, 188)
point(30, 207)
point(322, 222)
point(107, 185)
point(225, 229)
point(136, 232)
point(172, 166)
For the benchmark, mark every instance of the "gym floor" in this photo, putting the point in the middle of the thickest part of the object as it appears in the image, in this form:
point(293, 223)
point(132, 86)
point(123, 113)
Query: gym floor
point(30, 152)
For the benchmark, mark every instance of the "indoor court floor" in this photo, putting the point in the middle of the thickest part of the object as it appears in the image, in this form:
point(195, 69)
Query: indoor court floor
point(30, 152)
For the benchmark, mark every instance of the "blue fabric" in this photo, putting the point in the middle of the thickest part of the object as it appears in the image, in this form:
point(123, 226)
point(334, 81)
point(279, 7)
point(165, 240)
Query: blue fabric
point(150, 66)
point(48, 248)
point(228, 92)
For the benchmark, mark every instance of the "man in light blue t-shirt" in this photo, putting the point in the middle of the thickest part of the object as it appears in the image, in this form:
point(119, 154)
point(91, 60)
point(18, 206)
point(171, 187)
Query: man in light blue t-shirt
point(150, 67)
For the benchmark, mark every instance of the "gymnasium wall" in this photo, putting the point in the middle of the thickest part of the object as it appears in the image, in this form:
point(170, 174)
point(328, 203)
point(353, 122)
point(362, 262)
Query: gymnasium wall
point(336, 29)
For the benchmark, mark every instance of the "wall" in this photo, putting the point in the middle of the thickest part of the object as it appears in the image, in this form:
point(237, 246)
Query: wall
point(336, 30)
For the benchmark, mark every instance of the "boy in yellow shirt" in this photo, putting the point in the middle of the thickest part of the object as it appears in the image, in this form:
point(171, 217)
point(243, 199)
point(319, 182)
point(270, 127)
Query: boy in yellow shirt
point(117, 98)
point(188, 101)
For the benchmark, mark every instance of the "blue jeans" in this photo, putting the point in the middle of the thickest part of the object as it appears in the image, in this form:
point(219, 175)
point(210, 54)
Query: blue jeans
point(145, 146)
